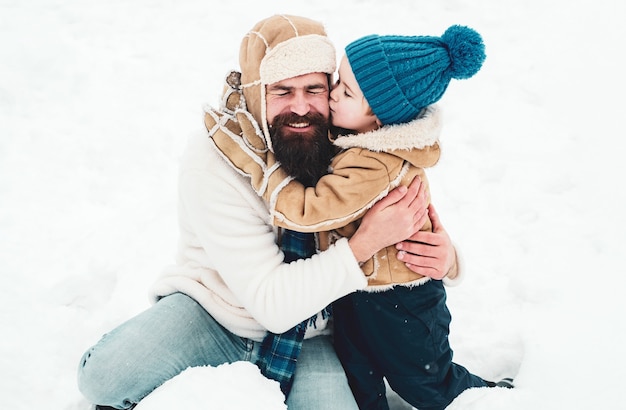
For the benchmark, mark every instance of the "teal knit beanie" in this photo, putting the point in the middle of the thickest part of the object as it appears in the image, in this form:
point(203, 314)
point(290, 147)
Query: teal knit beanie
point(400, 75)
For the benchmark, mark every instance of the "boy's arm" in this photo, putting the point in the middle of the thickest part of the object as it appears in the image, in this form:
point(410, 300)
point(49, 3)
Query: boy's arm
point(358, 180)
point(240, 142)
point(432, 254)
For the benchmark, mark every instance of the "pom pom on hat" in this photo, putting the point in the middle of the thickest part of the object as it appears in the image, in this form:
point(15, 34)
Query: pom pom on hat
point(466, 50)
point(401, 75)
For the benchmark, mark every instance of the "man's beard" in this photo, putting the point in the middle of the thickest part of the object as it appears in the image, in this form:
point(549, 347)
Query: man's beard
point(305, 156)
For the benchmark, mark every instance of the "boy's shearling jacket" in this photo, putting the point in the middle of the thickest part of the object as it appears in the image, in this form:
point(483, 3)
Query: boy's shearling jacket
point(370, 165)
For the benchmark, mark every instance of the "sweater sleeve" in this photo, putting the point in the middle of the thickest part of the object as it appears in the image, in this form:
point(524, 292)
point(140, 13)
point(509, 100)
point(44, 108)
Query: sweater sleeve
point(233, 237)
point(359, 178)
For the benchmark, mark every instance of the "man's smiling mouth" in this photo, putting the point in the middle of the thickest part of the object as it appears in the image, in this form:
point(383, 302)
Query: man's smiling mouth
point(299, 124)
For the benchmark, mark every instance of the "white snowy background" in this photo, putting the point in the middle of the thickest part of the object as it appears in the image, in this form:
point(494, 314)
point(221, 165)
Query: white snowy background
point(96, 102)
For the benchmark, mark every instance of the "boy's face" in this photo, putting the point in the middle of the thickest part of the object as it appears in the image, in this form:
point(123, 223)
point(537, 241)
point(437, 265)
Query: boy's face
point(348, 107)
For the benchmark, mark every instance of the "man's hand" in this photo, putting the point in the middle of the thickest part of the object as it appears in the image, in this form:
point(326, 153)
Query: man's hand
point(430, 253)
point(395, 218)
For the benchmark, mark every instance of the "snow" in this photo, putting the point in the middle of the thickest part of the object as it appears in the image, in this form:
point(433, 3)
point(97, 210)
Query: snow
point(97, 98)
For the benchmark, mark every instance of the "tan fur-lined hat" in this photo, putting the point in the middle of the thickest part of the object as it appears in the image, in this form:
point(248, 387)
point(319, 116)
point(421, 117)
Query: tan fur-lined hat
point(277, 48)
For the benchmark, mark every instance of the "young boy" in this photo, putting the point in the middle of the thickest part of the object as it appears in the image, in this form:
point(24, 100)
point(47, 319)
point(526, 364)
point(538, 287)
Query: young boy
point(383, 104)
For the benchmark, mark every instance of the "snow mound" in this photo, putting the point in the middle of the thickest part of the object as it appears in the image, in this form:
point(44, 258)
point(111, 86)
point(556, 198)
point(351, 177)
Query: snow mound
point(234, 386)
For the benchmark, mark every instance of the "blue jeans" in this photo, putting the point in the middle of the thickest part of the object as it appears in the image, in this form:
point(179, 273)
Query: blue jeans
point(175, 333)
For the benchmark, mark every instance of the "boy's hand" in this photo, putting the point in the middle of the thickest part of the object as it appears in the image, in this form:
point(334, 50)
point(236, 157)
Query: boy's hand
point(430, 253)
point(394, 218)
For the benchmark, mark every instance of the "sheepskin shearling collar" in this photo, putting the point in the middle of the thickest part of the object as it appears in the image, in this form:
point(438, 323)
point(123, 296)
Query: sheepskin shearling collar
point(420, 133)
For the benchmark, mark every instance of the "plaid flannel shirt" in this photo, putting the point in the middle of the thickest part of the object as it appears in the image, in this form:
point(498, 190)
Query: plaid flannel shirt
point(279, 352)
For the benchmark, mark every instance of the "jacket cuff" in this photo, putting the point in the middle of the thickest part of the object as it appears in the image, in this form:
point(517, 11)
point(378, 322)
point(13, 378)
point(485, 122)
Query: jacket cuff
point(455, 271)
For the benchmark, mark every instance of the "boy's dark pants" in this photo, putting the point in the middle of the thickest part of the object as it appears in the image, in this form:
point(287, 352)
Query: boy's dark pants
point(400, 334)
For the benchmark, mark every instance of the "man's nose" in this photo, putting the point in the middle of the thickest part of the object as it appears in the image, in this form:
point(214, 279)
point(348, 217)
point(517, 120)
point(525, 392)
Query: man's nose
point(300, 104)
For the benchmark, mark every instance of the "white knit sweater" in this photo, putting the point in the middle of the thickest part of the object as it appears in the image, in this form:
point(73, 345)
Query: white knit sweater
point(228, 259)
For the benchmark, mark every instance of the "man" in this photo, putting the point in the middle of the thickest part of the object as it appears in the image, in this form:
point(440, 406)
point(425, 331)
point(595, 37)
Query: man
point(230, 287)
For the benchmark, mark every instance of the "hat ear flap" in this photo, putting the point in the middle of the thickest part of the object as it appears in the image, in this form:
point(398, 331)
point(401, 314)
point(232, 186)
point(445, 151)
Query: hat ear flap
point(251, 133)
